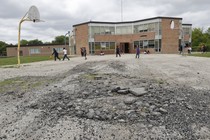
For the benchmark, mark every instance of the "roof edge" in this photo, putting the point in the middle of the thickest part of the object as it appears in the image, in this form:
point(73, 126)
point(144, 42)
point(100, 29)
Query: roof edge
point(36, 45)
point(187, 24)
point(160, 17)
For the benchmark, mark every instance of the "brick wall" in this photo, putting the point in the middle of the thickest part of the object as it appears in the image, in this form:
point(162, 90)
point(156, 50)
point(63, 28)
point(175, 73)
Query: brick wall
point(170, 37)
point(45, 50)
point(81, 37)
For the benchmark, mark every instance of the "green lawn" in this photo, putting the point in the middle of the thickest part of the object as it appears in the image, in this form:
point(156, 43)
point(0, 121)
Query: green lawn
point(23, 59)
point(199, 54)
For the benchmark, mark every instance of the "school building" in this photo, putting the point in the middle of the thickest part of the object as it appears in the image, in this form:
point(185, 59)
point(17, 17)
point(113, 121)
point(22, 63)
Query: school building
point(153, 34)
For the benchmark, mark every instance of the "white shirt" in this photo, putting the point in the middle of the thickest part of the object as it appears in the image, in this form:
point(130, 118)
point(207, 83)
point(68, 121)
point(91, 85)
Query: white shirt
point(64, 51)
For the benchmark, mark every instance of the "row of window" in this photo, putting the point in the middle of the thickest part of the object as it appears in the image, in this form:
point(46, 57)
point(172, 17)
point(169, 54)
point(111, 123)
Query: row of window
point(127, 29)
point(145, 43)
point(34, 51)
point(111, 45)
point(37, 50)
point(101, 46)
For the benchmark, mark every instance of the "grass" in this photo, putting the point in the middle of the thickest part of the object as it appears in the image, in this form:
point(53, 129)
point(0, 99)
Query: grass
point(23, 59)
point(22, 84)
point(199, 54)
point(89, 76)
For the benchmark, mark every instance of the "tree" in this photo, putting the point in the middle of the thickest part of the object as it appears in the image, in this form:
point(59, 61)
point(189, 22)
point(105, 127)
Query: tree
point(207, 35)
point(3, 48)
point(60, 40)
point(197, 39)
point(35, 42)
point(23, 42)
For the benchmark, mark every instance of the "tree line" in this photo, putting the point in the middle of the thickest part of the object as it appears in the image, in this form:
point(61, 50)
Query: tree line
point(199, 37)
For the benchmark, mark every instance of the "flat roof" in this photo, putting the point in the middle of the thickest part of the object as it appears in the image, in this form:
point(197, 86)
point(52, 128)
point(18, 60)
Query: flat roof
point(187, 24)
point(100, 22)
point(38, 45)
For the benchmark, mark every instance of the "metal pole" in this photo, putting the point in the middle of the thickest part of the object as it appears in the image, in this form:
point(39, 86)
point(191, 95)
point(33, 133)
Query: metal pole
point(121, 10)
point(18, 49)
point(182, 41)
point(65, 40)
point(158, 37)
point(69, 44)
point(19, 30)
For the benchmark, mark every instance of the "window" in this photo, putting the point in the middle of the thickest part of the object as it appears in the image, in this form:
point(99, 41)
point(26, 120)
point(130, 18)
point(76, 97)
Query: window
point(151, 27)
point(186, 30)
point(104, 45)
point(34, 51)
point(59, 50)
point(91, 48)
point(158, 28)
point(136, 43)
point(151, 43)
point(124, 30)
point(97, 46)
point(112, 45)
point(145, 43)
point(97, 30)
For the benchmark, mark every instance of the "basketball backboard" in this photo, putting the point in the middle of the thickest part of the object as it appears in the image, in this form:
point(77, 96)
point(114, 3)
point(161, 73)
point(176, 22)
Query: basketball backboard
point(33, 14)
point(172, 24)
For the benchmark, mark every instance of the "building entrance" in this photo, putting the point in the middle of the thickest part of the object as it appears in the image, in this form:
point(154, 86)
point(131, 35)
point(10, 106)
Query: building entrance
point(124, 47)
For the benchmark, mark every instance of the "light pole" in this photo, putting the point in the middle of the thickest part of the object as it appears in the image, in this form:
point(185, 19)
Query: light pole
point(121, 10)
point(72, 42)
point(31, 15)
point(68, 33)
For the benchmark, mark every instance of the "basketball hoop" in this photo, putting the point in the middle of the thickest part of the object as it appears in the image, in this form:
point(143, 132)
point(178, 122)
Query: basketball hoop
point(31, 15)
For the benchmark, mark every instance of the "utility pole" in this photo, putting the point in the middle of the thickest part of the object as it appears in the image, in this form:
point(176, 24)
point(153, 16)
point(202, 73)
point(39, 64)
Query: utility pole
point(121, 10)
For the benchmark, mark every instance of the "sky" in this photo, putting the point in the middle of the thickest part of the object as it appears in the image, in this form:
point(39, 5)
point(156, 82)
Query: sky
point(60, 15)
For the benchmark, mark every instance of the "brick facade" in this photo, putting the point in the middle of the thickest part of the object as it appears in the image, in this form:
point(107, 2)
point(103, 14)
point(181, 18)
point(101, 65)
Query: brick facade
point(170, 38)
point(81, 38)
point(45, 50)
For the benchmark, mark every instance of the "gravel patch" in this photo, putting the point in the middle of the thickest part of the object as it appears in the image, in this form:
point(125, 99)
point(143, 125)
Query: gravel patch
point(154, 97)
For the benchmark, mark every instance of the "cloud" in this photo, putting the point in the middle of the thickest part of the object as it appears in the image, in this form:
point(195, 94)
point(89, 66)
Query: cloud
point(60, 16)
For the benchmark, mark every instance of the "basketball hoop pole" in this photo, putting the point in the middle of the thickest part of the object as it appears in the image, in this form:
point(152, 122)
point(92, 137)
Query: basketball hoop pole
point(19, 29)
point(32, 15)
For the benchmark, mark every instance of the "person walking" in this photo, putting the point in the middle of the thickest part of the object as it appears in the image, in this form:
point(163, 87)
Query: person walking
point(65, 54)
point(55, 53)
point(118, 51)
point(85, 53)
point(137, 51)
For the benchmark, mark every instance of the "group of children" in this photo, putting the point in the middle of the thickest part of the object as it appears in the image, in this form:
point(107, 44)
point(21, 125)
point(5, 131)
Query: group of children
point(84, 53)
point(55, 53)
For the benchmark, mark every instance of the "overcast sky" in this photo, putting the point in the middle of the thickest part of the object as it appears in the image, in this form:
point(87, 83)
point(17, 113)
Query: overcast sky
point(60, 15)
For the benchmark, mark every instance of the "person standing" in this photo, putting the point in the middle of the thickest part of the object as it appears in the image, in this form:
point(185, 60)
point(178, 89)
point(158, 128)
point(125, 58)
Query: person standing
point(85, 53)
point(81, 50)
point(180, 49)
point(55, 53)
point(65, 54)
point(137, 51)
point(118, 51)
